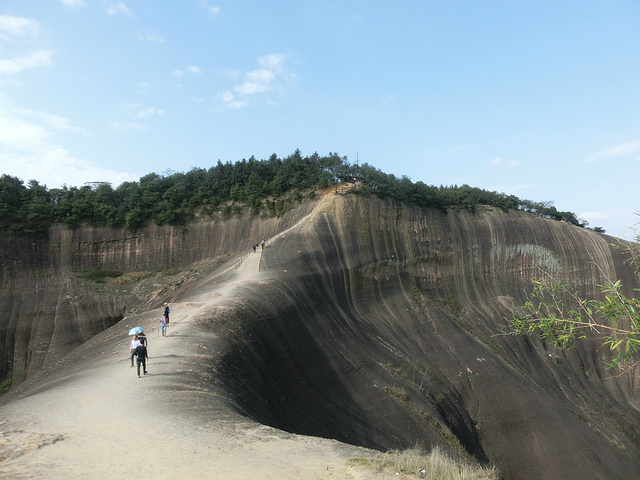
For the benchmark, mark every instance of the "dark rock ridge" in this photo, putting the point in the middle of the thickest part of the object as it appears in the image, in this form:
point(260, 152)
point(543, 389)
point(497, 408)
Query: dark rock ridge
point(373, 323)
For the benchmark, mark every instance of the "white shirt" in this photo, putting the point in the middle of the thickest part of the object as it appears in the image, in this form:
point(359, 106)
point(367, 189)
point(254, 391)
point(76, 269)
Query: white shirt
point(134, 344)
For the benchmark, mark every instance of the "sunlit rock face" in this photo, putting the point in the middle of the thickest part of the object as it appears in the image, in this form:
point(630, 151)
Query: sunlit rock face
point(372, 323)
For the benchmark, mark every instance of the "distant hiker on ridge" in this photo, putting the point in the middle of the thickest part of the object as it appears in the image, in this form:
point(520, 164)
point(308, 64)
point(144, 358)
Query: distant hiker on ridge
point(164, 321)
point(166, 311)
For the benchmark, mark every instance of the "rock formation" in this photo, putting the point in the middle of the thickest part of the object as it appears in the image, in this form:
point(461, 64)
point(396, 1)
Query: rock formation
point(380, 325)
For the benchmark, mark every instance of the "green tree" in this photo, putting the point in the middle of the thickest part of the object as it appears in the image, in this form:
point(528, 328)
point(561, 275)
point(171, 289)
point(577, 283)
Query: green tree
point(12, 197)
point(37, 211)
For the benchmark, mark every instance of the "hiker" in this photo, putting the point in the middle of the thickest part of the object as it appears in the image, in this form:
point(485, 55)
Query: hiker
point(164, 321)
point(141, 358)
point(166, 311)
point(134, 344)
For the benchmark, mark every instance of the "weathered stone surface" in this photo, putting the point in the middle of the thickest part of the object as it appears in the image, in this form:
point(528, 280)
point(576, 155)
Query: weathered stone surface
point(380, 325)
point(383, 325)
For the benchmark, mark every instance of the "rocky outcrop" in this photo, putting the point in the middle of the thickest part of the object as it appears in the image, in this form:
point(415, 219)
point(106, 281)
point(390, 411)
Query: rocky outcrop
point(379, 325)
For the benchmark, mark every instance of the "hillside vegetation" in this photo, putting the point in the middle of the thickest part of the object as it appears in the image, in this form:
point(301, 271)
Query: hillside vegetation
point(266, 187)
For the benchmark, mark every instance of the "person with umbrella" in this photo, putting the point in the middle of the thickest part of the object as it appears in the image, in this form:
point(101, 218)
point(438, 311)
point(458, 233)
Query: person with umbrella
point(138, 338)
point(132, 348)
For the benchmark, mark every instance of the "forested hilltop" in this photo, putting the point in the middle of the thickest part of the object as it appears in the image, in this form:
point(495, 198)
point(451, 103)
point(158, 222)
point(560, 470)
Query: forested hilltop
point(266, 187)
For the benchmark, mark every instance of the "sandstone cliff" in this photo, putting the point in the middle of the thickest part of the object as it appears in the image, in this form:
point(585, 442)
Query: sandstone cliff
point(381, 325)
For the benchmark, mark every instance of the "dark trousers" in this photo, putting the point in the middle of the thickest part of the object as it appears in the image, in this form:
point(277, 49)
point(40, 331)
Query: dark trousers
point(133, 354)
point(143, 362)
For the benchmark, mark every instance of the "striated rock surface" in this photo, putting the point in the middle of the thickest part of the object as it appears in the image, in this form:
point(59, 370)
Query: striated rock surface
point(378, 325)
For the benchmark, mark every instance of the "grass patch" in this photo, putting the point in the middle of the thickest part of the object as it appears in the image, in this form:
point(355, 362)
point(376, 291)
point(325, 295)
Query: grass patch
point(132, 277)
point(433, 465)
point(99, 275)
point(170, 271)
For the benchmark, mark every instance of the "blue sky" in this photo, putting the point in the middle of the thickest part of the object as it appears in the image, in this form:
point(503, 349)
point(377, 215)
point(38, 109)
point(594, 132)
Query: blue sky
point(538, 99)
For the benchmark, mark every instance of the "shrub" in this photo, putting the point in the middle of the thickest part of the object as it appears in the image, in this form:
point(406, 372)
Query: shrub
point(98, 275)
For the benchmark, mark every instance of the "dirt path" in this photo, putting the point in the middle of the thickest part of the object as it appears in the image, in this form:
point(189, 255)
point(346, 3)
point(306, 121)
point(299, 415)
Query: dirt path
point(99, 421)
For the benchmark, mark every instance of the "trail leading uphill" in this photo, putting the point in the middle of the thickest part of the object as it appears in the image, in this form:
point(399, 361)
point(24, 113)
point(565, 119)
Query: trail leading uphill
point(363, 320)
point(93, 418)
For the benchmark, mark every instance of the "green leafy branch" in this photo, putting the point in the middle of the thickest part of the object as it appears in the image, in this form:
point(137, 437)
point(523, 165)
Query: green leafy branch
point(560, 316)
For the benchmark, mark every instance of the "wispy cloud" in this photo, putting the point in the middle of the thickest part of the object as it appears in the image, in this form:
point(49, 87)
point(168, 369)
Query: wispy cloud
point(458, 148)
point(188, 69)
point(136, 110)
point(11, 27)
point(51, 121)
point(145, 88)
point(28, 150)
point(230, 102)
point(139, 113)
point(622, 150)
point(73, 3)
point(211, 10)
point(118, 7)
point(35, 60)
point(257, 81)
point(505, 163)
point(150, 37)
point(147, 112)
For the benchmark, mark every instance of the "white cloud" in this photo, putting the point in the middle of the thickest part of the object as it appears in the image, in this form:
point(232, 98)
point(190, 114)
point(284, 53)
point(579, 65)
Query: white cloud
point(54, 122)
point(190, 68)
point(147, 112)
point(273, 62)
point(18, 133)
point(229, 101)
point(73, 3)
point(137, 112)
point(118, 7)
point(17, 27)
point(257, 81)
point(150, 37)
point(227, 96)
point(622, 150)
point(56, 166)
point(16, 65)
point(251, 88)
point(459, 148)
point(28, 151)
point(212, 11)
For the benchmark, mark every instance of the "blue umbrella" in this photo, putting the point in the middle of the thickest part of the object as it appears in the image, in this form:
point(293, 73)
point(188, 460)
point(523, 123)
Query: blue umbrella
point(136, 330)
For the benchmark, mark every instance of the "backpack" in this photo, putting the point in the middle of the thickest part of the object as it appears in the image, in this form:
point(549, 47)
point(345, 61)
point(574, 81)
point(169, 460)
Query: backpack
point(164, 319)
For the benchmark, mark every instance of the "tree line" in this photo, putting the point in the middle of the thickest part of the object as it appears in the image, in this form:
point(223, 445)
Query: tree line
point(265, 187)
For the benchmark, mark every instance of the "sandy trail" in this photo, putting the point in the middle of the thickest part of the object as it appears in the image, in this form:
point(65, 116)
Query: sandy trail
point(98, 420)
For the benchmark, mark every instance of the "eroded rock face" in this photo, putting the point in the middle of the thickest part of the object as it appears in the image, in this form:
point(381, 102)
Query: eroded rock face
point(382, 326)
point(47, 309)
point(379, 325)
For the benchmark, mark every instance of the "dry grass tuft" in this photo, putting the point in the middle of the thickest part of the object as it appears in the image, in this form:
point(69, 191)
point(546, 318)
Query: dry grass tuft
point(433, 465)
